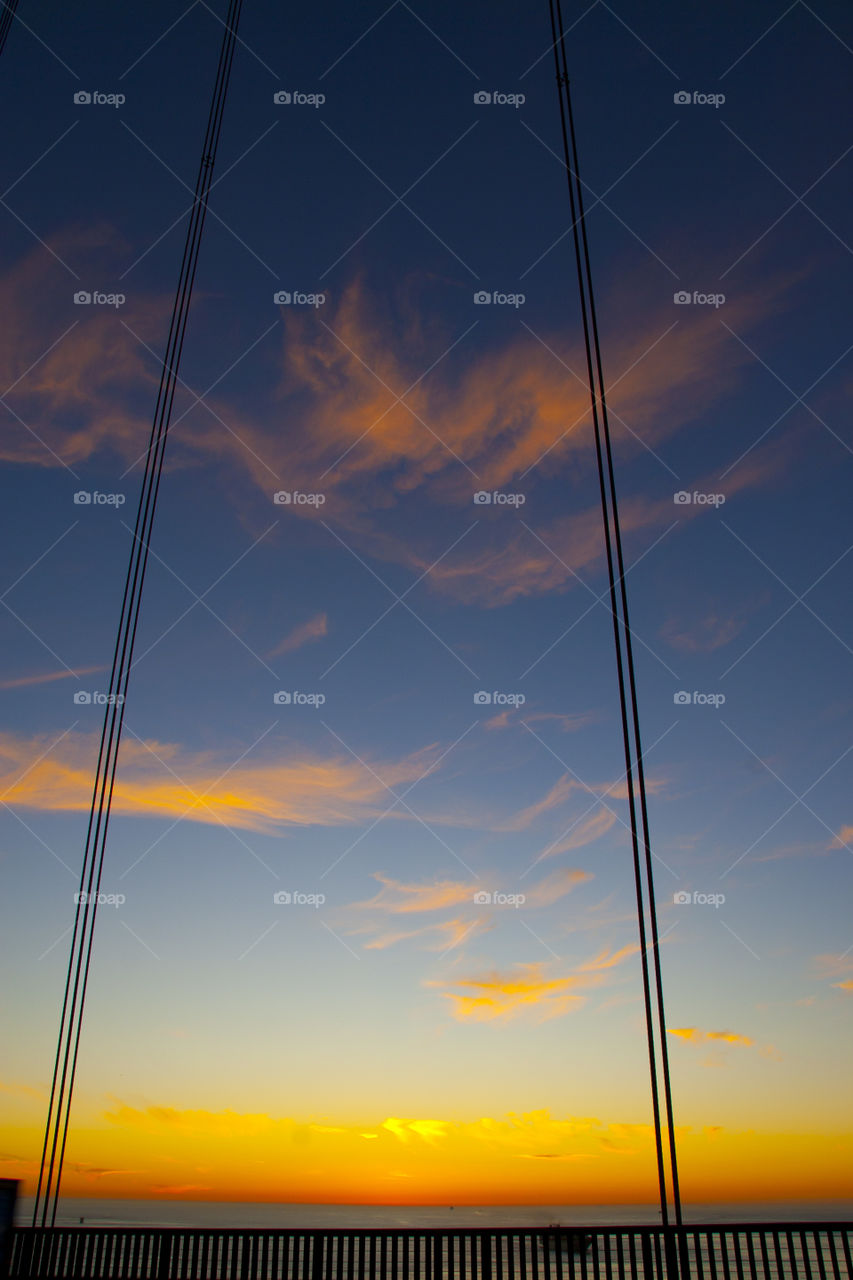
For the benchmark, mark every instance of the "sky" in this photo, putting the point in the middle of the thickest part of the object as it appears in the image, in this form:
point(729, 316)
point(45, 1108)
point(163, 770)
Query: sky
point(369, 931)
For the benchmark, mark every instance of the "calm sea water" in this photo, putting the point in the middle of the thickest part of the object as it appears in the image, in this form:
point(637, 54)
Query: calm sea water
point(190, 1213)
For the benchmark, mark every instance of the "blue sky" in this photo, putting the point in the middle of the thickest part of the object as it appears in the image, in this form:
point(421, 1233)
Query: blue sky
point(396, 597)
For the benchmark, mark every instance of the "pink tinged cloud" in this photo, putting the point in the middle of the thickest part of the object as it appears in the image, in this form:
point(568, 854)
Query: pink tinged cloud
point(48, 677)
point(314, 629)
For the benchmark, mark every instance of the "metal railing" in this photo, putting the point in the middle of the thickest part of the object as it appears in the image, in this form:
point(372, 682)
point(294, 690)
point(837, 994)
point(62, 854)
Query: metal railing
point(750, 1251)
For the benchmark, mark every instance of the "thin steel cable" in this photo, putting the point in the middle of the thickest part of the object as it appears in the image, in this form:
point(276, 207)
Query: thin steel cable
point(621, 629)
point(7, 15)
point(629, 654)
point(68, 1044)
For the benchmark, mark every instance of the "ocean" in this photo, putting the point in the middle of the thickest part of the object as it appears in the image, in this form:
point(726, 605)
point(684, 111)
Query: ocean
point(194, 1213)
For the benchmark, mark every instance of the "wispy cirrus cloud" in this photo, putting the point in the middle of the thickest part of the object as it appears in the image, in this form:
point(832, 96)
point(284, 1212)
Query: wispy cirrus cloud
point(568, 723)
point(314, 629)
point(716, 1041)
point(564, 789)
point(511, 414)
point(22, 1090)
point(90, 391)
point(608, 959)
point(399, 898)
point(441, 935)
point(580, 833)
point(262, 793)
point(395, 898)
point(48, 677)
point(709, 632)
point(555, 886)
point(836, 966)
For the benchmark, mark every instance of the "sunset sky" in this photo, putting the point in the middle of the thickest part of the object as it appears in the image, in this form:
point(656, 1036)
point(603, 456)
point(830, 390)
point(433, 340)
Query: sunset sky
point(371, 936)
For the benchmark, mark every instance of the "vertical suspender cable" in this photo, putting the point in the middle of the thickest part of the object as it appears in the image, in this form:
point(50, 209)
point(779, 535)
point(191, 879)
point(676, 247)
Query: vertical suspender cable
point(68, 1042)
point(622, 638)
point(7, 16)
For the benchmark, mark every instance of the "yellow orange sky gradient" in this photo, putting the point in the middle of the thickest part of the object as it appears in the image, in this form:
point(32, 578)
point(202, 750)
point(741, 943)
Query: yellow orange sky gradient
point(161, 1152)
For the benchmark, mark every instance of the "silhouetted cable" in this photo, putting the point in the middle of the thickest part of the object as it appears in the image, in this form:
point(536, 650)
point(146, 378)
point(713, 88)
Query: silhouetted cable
point(68, 1045)
point(7, 16)
point(621, 630)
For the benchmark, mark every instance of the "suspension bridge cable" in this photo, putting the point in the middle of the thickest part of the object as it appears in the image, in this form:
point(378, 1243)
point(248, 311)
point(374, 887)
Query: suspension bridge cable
point(629, 653)
point(68, 1043)
point(7, 16)
point(622, 633)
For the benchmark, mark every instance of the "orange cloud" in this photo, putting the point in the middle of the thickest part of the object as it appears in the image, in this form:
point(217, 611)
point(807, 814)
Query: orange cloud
point(509, 410)
point(504, 996)
point(428, 1130)
point(696, 1036)
point(164, 779)
point(506, 416)
point(449, 934)
point(314, 629)
point(607, 959)
point(554, 797)
point(222, 1123)
point(78, 390)
point(403, 898)
point(844, 839)
point(528, 987)
point(587, 828)
point(555, 886)
point(833, 966)
point(581, 833)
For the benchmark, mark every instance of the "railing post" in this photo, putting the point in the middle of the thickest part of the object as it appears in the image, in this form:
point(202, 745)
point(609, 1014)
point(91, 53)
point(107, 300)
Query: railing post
point(486, 1258)
point(646, 1252)
point(317, 1258)
point(164, 1255)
